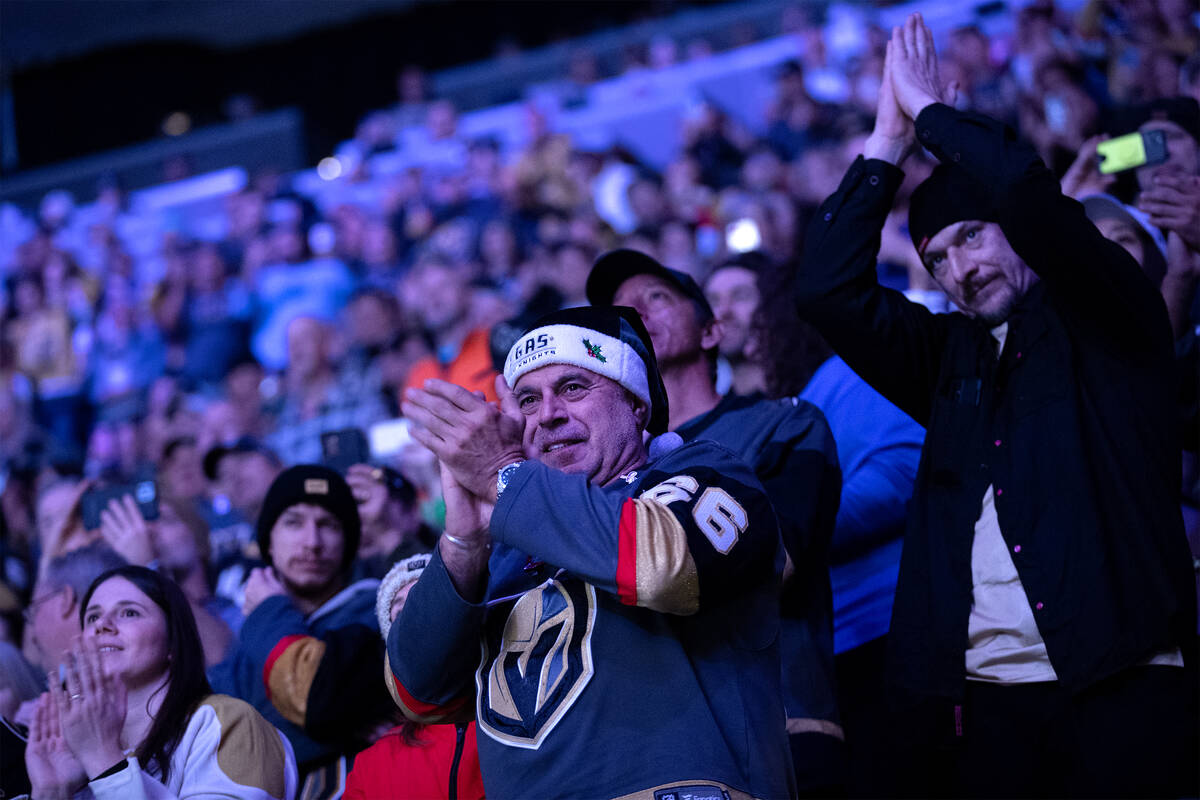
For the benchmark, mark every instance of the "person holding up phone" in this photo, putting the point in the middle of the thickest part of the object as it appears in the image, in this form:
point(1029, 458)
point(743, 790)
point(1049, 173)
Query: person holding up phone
point(1163, 150)
point(392, 528)
point(1169, 194)
point(174, 542)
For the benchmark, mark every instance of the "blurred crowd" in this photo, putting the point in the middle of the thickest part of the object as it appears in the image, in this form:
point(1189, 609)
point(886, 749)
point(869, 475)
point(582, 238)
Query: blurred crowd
point(202, 368)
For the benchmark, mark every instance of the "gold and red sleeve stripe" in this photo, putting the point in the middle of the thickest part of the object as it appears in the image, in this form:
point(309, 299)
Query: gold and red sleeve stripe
point(414, 709)
point(655, 569)
point(288, 674)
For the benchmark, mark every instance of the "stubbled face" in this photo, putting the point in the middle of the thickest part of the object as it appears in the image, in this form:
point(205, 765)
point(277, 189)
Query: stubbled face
point(130, 630)
point(579, 422)
point(306, 548)
point(1183, 153)
point(978, 269)
point(733, 294)
point(669, 316)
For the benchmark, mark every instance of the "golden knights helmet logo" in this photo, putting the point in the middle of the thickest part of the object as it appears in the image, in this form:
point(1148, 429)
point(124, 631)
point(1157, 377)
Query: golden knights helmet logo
point(544, 661)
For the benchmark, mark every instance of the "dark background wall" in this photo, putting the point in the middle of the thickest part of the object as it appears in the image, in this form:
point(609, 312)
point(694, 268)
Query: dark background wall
point(67, 103)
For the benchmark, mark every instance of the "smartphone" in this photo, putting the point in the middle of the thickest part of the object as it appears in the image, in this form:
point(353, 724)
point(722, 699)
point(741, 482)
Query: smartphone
point(388, 438)
point(342, 449)
point(1132, 150)
point(97, 498)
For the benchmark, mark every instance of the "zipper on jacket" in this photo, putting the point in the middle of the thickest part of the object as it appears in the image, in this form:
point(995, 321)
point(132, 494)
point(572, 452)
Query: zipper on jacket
point(460, 736)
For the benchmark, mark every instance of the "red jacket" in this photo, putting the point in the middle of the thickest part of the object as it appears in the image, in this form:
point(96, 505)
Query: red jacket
point(393, 770)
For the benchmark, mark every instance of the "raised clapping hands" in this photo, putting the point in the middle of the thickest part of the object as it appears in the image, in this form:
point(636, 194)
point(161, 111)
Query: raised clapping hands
point(915, 79)
point(910, 82)
point(90, 704)
point(473, 438)
point(467, 516)
point(54, 771)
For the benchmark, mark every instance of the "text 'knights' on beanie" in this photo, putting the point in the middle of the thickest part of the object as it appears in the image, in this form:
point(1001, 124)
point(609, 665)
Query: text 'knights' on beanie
point(947, 196)
point(318, 486)
point(608, 340)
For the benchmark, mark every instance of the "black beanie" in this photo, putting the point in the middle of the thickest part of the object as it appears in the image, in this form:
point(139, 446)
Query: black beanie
point(320, 486)
point(947, 196)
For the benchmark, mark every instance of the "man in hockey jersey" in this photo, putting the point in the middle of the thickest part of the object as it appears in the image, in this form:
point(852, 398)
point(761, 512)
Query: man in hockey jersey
point(308, 655)
point(627, 602)
point(789, 445)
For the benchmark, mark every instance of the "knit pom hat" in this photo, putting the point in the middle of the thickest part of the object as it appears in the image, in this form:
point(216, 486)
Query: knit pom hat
point(610, 341)
point(400, 575)
point(320, 486)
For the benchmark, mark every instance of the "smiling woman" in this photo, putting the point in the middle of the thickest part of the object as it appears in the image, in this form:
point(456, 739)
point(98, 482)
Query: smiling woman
point(133, 716)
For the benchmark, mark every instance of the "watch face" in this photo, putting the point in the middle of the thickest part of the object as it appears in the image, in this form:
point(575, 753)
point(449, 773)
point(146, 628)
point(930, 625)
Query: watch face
point(505, 475)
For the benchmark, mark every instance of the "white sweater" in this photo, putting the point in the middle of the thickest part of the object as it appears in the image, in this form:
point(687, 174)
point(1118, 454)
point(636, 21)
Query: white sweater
point(229, 751)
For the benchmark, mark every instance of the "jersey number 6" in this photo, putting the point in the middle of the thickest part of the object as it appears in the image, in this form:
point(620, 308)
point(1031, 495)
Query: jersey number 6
point(718, 516)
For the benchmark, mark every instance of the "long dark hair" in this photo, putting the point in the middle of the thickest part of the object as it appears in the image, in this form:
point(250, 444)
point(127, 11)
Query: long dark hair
point(187, 684)
point(790, 349)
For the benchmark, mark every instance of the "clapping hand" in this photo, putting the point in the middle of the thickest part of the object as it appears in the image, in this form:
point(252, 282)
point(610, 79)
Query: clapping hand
point(472, 437)
point(916, 82)
point(910, 82)
point(893, 137)
point(91, 706)
point(54, 771)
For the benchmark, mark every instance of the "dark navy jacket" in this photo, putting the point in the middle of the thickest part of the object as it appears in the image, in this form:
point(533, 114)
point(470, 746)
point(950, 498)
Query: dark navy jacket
point(1074, 423)
point(642, 652)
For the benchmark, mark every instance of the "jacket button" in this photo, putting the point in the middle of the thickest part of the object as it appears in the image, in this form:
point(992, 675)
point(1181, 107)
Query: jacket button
point(874, 180)
point(997, 443)
point(999, 492)
point(1017, 548)
point(828, 216)
point(1038, 606)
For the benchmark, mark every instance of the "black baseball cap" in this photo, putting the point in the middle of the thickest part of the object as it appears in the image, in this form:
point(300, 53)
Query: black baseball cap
point(617, 266)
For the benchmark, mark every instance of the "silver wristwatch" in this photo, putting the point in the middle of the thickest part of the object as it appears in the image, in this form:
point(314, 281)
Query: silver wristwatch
point(504, 476)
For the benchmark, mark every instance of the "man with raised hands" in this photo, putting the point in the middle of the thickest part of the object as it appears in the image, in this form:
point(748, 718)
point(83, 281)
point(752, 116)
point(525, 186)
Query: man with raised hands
point(625, 591)
point(1045, 601)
